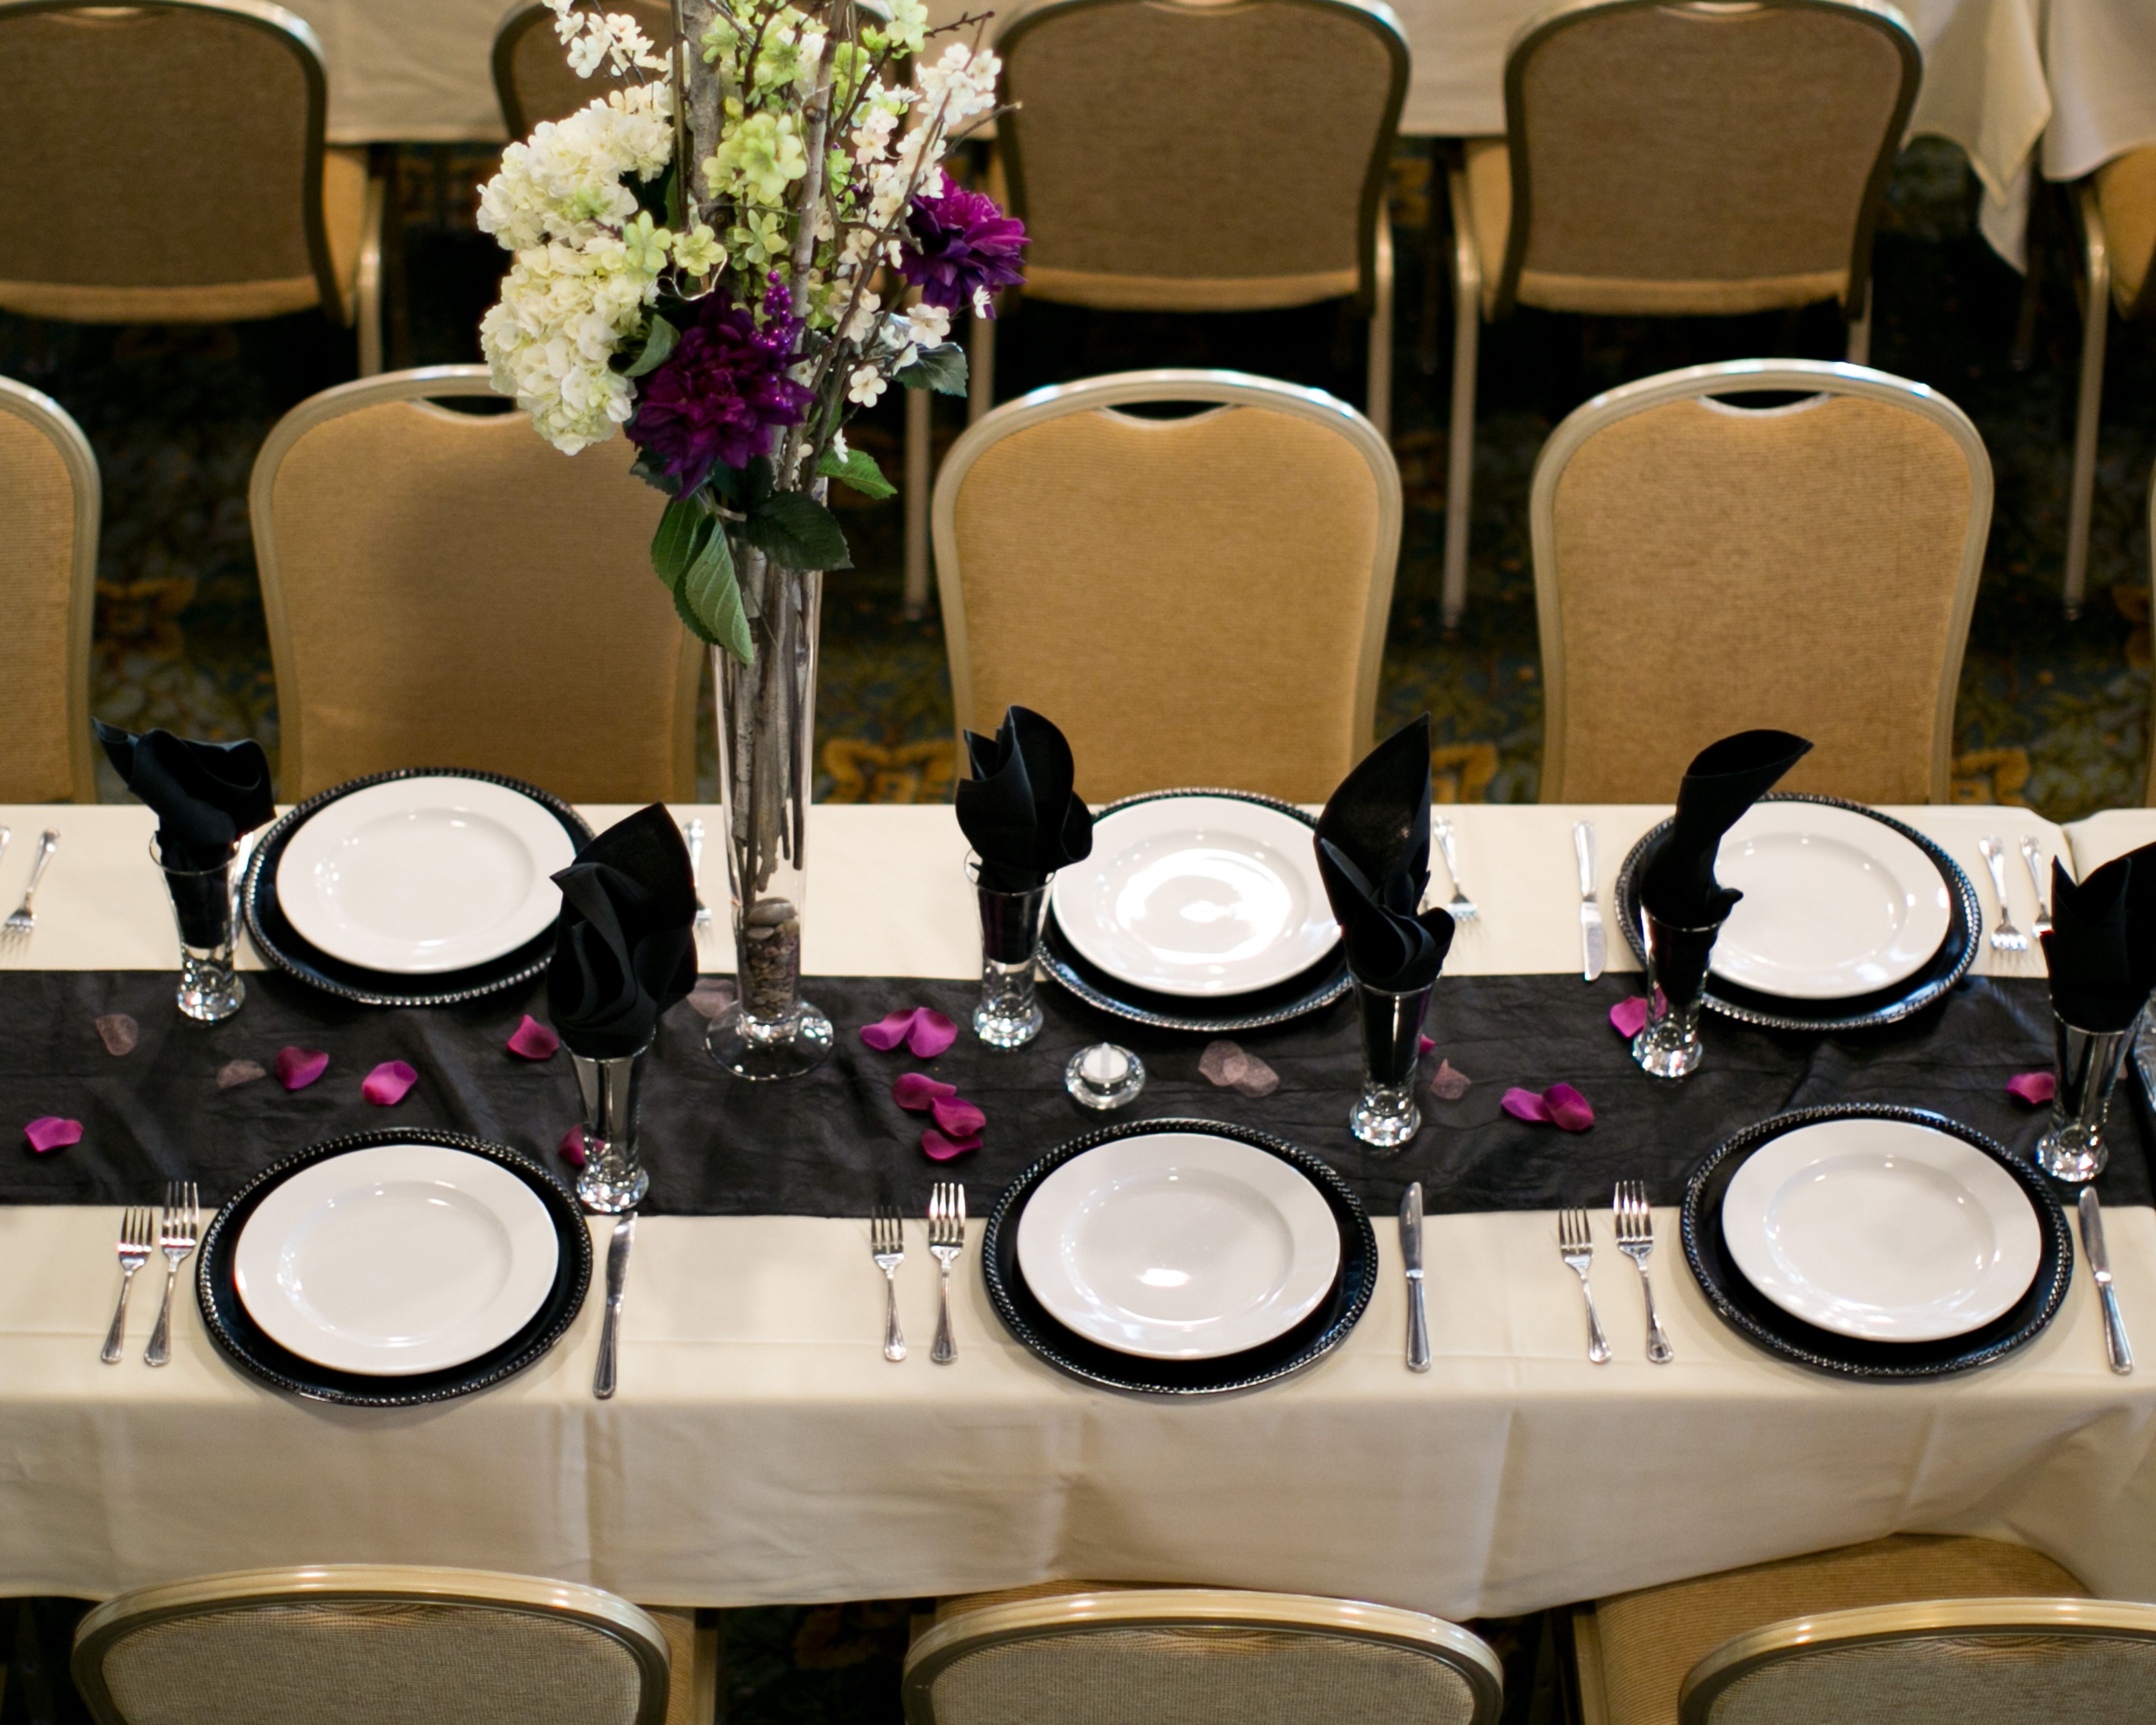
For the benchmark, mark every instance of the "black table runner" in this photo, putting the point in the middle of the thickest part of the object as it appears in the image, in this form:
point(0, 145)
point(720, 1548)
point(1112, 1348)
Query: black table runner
point(835, 1142)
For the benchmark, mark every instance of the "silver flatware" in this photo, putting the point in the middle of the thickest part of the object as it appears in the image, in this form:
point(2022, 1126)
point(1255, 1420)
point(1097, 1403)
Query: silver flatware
point(1592, 954)
point(887, 1246)
point(1636, 1239)
point(137, 1238)
point(1411, 1254)
point(693, 834)
point(2115, 1347)
point(2005, 937)
point(616, 1278)
point(947, 1238)
point(1461, 906)
point(23, 920)
point(2030, 852)
point(178, 1229)
point(1575, 1245)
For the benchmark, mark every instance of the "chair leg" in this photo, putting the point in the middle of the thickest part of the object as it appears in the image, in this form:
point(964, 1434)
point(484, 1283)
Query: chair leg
point(1433, 265)
point(1860, 338)
point(366, 295)
point(1380, 381)
point(980, 368)
point(918, 447)
point(1467, 337)
point(2095, 316)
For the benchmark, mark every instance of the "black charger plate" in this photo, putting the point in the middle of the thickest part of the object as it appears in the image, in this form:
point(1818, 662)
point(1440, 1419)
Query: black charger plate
point(1317, 1335)
point(283, 945)
point(225, 1314)
point(1758, 1319)
point(1906, 999)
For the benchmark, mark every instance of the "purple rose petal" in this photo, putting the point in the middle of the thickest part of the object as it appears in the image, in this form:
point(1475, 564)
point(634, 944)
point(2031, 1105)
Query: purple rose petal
point(1525, 1105)
point(1450, 1084)
point(234, 1073)
point(890, 1030)
point(711, 998)
point(298, 1067)
point(532, 1040)
point(931, 1034)
point(119, 1033)
point(959, 1117)
point(572, 1147)
point(50, 1132)
point(2034, 1088)
point(1568, 1110)
point(1628, 1018)
point(1223, 1064)
point(917, 1090)
point(385, 1085)
point(1424, 1044)
point(939, 1148)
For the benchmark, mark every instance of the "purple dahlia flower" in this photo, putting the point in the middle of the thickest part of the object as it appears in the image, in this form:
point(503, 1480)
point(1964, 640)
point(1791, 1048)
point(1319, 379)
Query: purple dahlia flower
point(962, 241)
point(720, 393)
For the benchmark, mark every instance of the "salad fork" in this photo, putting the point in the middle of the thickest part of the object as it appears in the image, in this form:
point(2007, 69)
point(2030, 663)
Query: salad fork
point(23, 920)
point(2030, 852)
point(2005, 937)
point(1636, 1239)
point(947, 1238)
point(887, 1246)
point(1462, 907)
point(178, 1229)
point(137, 1239)
point(1575, 1245)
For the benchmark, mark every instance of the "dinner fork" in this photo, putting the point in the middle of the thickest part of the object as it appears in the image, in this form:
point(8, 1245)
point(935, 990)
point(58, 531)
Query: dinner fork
point(22, 919)
point(1575, 1245)
point(179, 1229)
point(1636, 1239)
point(2005, 937)
point(2030, 854)
point(947, 1238)
point(887, 1246)
point(1462, 907)
point(136, 1238)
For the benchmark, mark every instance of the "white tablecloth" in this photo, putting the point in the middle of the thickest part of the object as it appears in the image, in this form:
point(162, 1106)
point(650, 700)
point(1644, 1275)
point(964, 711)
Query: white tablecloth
point(762, 1450)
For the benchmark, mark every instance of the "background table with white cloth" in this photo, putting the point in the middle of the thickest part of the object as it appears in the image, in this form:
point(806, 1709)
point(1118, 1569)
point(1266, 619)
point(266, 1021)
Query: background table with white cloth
point(761, 1449)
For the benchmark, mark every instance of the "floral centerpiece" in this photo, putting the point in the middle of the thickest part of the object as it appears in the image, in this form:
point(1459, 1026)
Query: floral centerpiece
point(742, 243)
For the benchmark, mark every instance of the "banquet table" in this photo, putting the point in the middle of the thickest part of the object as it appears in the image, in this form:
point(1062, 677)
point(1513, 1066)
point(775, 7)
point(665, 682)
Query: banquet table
point(761, 1449)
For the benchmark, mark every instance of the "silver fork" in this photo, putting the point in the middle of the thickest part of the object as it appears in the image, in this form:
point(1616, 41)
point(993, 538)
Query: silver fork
point(887, 1246)
point(22, 919)
point(179, 1229)
point(1462, 907)
point(1575, 1245)
point(947, 1238)
point(136, 1237)
point(2030, 850)
point(2005, 937)
point(1636, 1239)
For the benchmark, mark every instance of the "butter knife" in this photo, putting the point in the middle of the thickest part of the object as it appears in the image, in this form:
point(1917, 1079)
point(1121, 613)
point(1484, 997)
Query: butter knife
point(2115, 1348)
point(624, 1237)
point(1411, 1251)
point(1591, 952)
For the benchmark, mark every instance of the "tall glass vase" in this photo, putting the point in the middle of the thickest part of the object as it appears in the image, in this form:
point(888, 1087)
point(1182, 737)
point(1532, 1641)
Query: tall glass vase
point(767, 724)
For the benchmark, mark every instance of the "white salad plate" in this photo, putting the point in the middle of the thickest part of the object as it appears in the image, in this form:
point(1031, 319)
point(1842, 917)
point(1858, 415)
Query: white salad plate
point(1835, 903)
point(397, 1259)
point(422, 875)
point(1197, 895)
point(1179, 1245)
point(1881, 1229)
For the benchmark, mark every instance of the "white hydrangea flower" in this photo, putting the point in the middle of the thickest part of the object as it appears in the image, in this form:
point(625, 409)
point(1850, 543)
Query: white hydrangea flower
point(865, 386)
point(862, 324)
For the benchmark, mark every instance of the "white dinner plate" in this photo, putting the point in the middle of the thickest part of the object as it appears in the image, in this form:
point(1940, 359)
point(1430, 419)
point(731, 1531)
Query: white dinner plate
point(395, 1259)
point(1835, 903)
point(420, 876)
point(1197, 895)
point(1881, 1229)
point(1179, 1245)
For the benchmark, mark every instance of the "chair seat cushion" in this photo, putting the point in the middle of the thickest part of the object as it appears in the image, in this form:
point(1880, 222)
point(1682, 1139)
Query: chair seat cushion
point(2126, 194)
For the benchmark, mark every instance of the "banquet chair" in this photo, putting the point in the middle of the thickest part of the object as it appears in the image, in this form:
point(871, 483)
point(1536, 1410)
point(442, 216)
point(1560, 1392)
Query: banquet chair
point(1196, 601)
point(1674, 157)
point(172, 153)
point(1703, 566)
point(531, 76)
point(445, 588)
point(1265, 128)
point(373, 1644)
point(1082, 1655)
point(2118, 209)
point(1915, 1629)
point(49, 500)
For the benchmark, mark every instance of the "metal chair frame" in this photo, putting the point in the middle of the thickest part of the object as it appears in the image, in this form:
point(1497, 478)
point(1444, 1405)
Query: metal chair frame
point(2088, 406)
point(58, 426)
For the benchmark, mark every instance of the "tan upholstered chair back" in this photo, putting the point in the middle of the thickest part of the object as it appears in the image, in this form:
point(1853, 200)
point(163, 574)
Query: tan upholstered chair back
point(1200, 155)
point(2126, 194)
point(1699, 156)
point(1938, 1662)
point(1196, 601)
point(49, 502)
point(166, 160)
point(446, 589)
point(531, 74)
point(353, 1645)
point(1702, 567)
point(1198, 1657)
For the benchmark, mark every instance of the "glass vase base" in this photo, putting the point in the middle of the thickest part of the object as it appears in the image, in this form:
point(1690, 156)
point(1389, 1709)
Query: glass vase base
point(1664, 1050)
point(208, 993)
point(606, 1194)
point(1003, 1028)
point(2073, 1154)
point(764, 1052)
point(1385, 1119)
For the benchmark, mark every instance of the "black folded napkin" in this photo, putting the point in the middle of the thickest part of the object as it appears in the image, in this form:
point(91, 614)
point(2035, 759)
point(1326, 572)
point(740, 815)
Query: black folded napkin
point(624, 950)
point(1373, 856)
point(205, 795)
point(2097, 984)
point(1676, 876)
point(1018, 810)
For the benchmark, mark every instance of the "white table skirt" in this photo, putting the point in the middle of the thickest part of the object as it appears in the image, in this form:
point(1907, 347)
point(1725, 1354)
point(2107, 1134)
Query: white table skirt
point(761, 1449)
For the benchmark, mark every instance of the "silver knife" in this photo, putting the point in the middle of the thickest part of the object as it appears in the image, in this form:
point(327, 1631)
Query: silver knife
point(624, 1237)
point(1411, 1251)
point(2115, 1347)
point(693, 834)
point(1590, 912)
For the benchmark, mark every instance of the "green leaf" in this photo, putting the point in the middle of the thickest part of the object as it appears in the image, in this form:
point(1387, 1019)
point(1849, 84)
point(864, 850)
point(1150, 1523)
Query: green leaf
point(710, 599)
point(680, 537)
point(657, 345)
point(941, 369)
point(796, 531)
point(858, 470)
